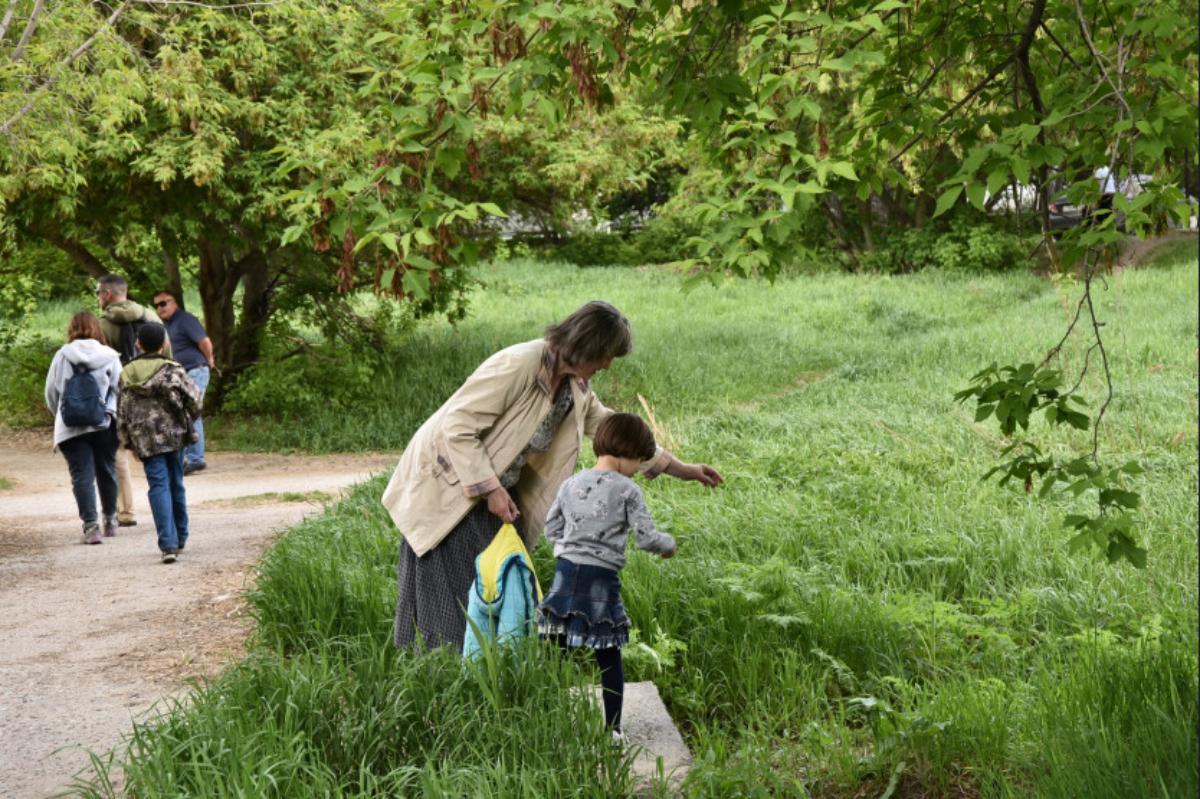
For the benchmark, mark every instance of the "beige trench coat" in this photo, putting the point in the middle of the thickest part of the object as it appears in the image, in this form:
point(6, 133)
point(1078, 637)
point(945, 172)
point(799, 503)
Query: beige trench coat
point(456, 457)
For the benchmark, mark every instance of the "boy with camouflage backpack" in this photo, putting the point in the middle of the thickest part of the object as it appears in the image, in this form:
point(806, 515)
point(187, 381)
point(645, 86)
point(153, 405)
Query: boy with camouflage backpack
point(156, 413)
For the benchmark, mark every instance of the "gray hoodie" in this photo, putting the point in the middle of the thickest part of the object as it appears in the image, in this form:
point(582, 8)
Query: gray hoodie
point(105, 366)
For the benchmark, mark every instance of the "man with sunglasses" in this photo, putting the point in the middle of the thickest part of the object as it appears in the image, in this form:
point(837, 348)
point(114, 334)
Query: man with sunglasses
point(193, 349)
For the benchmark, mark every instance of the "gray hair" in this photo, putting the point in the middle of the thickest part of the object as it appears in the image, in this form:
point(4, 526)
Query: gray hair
point(595, 332)
point(114, 284)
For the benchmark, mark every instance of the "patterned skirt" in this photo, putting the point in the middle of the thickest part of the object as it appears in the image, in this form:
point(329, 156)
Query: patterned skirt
point(432, 590)
point(584, 608)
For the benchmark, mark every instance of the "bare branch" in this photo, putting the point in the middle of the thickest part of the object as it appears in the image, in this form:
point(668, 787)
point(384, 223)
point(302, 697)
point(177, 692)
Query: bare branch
point(66, 62)
point(1087, 37)
point(1035, 19)
point(1055, 349)
point(1059, 44)
point(8, 17)
point(30, 27)
point(196, 4)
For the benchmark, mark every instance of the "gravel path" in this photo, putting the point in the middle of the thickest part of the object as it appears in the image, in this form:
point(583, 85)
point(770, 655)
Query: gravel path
point(93, 636)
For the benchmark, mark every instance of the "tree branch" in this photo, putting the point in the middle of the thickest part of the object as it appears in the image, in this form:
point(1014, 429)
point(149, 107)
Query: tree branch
point(30, 27)
point(8, 16)
point(1059, 44)
point(79, 253)
point(1031, 26)
point(6, 128)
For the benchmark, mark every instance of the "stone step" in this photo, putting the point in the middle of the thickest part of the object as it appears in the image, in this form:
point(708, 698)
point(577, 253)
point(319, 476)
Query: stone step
point(648, 729)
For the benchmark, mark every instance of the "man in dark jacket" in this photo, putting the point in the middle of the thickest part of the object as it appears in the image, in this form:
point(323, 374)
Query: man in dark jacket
point(118, 311)
point(156, 412)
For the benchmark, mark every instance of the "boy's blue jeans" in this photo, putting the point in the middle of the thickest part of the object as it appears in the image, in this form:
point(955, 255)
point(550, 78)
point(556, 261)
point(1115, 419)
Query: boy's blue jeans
point(168, 502)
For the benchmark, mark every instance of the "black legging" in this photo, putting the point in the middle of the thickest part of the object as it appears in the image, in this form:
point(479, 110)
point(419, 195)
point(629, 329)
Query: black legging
point(612, 681)
point(612, 684)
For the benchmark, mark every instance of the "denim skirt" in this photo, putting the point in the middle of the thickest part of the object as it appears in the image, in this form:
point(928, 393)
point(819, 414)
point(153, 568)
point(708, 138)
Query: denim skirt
point(584, 608)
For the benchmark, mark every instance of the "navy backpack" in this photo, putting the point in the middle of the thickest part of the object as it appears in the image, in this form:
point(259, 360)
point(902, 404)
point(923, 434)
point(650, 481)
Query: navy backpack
point(82, 405)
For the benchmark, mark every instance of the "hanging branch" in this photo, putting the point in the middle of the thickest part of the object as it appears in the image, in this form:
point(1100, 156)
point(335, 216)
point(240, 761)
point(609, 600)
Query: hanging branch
point(8, 17)
point(41, 90)
point(30, 27)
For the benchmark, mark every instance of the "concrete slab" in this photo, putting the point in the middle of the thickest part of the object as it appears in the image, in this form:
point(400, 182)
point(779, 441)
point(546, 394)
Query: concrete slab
point(650, 731)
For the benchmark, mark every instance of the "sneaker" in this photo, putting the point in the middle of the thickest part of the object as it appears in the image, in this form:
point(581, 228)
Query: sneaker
point(169, 556)
point(618, 740)
point(127, 523)
point(192, 468)
point(91, 533)
point(110, 526)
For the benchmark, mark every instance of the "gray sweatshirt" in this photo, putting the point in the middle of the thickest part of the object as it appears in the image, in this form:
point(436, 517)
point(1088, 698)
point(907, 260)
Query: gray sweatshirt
point(103, 362)
point(591, 518)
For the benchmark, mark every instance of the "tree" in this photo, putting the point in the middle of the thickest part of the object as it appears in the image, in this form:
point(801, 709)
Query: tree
point(163, 148)
point(318, 145)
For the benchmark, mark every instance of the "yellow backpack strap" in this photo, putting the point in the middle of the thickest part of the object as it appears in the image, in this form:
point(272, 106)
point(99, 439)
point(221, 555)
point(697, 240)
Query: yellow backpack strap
point(506, 543)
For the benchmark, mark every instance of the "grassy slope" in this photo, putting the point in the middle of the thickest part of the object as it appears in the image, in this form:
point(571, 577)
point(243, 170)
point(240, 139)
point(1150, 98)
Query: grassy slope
point(856, 606)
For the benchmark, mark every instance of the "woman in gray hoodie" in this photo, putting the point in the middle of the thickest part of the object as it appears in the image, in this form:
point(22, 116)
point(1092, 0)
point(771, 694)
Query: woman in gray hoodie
point(90, 451)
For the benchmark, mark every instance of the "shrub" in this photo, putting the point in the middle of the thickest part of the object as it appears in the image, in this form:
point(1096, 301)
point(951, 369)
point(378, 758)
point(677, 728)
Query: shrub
point(969, 245)
point(665, 239)
point(335, 370)
point(24, 366)
point(597, 249)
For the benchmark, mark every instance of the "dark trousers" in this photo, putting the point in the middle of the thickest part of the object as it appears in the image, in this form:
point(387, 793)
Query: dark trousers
point(612, 685)
point(612, 680)
point(92, 461)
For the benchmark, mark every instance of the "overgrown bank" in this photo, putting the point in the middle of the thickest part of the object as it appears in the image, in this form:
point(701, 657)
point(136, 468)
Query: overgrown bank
point(854, 610)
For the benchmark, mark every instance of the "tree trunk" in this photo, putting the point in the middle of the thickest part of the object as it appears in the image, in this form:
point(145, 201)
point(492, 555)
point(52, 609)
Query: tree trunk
point(836, 220)
point(237, 338)
point(217, 285)
point(866, 222)
point(174, 281)
point(256, 310)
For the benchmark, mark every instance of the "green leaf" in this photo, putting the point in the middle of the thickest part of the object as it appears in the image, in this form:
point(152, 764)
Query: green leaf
point(291, 234)
point(389, 241)
point(983, 412)
point(1021, 169)
point(844, 169)
point(996, 180)
point(947, 200)
point(975, 193)
point(1120, 498)
point(417, 282)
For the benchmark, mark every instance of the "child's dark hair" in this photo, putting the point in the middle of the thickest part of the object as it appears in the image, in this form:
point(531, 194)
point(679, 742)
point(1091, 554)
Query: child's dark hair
point(624, 435)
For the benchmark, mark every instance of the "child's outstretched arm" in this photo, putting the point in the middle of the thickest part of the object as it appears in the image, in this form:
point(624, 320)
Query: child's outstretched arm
point(645, 535)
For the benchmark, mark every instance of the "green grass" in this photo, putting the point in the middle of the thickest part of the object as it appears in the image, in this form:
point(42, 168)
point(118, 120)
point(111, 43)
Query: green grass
point(317, 497)
point(854, 609)
point(6, 483)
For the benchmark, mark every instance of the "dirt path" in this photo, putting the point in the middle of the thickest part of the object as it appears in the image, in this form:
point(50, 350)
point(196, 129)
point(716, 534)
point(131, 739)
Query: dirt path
point(93, 636)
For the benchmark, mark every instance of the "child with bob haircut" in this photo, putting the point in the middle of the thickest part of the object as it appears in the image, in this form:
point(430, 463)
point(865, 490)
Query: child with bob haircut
point(588, 524)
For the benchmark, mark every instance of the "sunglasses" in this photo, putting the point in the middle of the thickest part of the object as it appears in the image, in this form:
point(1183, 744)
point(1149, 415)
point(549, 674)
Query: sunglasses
point(162, 304)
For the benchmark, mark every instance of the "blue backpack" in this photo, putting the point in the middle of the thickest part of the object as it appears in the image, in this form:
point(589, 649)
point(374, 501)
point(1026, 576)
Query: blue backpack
point(82, 405)
point(503, 602)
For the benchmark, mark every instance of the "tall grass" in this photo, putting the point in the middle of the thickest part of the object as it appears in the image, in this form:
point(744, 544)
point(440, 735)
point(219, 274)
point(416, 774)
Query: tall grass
point(853, 613)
